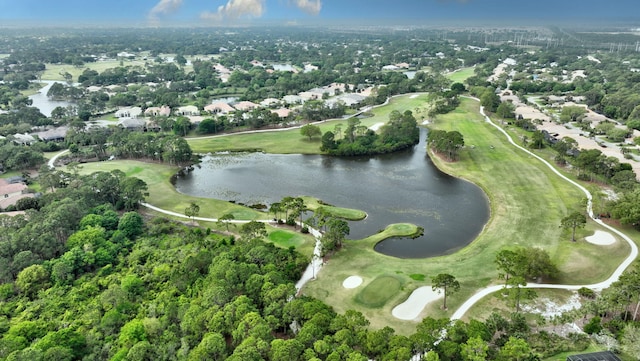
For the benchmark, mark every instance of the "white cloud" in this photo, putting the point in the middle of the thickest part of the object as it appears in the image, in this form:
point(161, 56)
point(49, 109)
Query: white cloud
point(311, 7)
point(164, 7)
point(235, 9)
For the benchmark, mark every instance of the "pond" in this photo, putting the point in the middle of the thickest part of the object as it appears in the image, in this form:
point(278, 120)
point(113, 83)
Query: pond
point(392, 188)
point(42, 102)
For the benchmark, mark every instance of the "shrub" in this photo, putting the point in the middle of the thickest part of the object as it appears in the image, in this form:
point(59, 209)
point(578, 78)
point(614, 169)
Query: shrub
point(593, 326)
point(587, 293)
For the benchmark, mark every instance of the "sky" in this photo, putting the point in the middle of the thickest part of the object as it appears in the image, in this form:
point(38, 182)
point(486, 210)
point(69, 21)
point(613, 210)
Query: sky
point(230, 12)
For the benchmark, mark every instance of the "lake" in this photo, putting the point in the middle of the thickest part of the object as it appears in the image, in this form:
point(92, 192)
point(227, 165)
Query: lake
point(392, 188)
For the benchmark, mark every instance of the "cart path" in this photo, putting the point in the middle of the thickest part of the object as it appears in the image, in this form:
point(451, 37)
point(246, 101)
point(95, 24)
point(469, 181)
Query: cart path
point(595, 286)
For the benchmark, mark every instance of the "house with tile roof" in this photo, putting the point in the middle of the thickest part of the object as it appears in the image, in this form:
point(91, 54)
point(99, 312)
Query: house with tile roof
point(219, 108)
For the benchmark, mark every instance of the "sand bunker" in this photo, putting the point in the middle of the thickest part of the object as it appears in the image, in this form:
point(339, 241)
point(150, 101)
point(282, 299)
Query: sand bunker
point(414, 96)
point(352, 282)
point(601, 238)
point(376, 126)
point(417, 301)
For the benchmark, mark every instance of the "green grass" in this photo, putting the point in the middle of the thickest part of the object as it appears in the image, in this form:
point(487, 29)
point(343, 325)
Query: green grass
point(286, 239)
point(350, 214)
point(34, 88)
point(55, 71)
point(379, 291)
point(592, 348)
point(417, 277)
point(461, 75)
point(162, 193)
point(290, 141)
point(527, 203)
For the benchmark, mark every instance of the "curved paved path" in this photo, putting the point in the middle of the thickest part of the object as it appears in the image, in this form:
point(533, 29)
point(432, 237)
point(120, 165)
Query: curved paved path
point(52, 161)
point(595, 286)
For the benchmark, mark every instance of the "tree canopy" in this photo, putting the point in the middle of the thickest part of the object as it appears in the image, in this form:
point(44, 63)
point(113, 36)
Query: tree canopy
point(400, 132)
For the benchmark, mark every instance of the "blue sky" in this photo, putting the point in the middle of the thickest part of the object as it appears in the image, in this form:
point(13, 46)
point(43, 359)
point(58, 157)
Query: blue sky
point(158, 12)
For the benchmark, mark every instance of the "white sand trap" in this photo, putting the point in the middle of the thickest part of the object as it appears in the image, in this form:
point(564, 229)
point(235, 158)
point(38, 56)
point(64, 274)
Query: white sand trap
point(417, 301)
point(414, 96)
point(601, 238)
point(352, 282)
point(376, 126)
point(426, 122)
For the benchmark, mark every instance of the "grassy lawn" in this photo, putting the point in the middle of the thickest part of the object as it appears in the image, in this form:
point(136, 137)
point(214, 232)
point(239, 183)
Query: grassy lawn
point(527, 202)
point(290, 141)
point(461, 75)
point(34, 88)
point(379, 291)
point(55, 71)
point(286, 239)
point(314, 204)
point(162, 193)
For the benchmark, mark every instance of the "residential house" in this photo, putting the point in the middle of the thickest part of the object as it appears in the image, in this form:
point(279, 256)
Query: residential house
point(133, 124)
point(188, 110)
point(129, 112)
point(309, 95)
point(164, 111)
point(224, 72)
point(53, 135)
point(23, 139)
point(219, 108)
point(269, 102)
point(245, 105)
point(10, 193)
point(309, 68)
point(8, 190)
point(349, 99)
point(293, 99)
point(282, 112)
